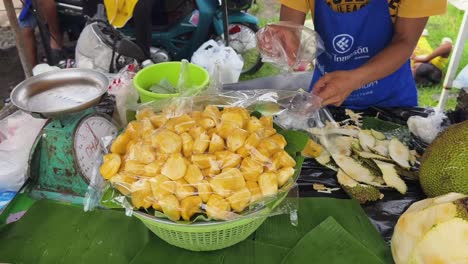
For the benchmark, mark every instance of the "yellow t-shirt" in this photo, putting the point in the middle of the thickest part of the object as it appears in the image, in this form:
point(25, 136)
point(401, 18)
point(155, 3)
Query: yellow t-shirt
point(423, 48)
point(401, 8)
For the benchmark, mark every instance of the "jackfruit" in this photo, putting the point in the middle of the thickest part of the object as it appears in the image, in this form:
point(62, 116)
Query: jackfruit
point(279, 140)
point(252, 141)
point(268, 183)
point(284, 175)
point(167, 141)
point(183, 189)
point(228, 159)
point(175, 167)
point(254, 189)
point(110, 166)
point(123, 181)
point(162, 186)
point(254, 125)
point(239, 200)
point(227, 182)
point(203, 161)
point(145, 113)
point(119, 146)
point(361, 192)
point(193, 174)
point(204, 190)
point(391, 177)
point(170, 207)
point(206, 123)
point(218, 208)
point(237, 115)
point(134, 129)
point(213, 170)
point(266, 132)
point(225, 128)
point(444, 166)
point(187, 144)
point(196, 131)
point(266, 121)
point(243, 152)
point(158, 120)
point(399, 153)
point(190, 206)
point(134, 167)
point(144, 153)
point(216, 144)
point(236, 139)
point(196, 115)
point(141, 194)
point(312, 149)
point(434, 230)
point(284, 159)
point(212, 112)
point(268, 147)
point(180, 124)
point(251, 169)
point(259, 156)
point(200, 145)
point(153, 168)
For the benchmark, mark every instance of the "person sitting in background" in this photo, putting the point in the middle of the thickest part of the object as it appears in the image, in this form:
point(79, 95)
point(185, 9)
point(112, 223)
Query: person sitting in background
point(28, 23)
point(427, 64)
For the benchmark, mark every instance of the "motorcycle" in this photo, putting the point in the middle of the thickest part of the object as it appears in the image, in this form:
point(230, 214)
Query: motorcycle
point(179, 28)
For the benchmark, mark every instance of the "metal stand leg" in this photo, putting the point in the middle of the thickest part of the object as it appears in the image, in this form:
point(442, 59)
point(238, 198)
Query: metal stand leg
point(454, 62)
point(225, 22)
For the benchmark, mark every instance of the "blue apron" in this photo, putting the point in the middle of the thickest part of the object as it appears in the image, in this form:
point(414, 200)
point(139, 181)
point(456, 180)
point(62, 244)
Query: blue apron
point(351, 39)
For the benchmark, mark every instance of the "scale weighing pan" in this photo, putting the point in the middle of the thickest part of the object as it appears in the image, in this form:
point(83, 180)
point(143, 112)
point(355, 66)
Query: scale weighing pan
point(57, 93)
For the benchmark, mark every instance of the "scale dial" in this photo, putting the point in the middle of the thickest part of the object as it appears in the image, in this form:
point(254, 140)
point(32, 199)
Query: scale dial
point(89, 134)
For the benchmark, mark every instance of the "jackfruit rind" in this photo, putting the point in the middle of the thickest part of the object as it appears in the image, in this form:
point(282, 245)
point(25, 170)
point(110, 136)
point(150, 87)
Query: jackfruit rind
point(444, 166)
point(361, 192)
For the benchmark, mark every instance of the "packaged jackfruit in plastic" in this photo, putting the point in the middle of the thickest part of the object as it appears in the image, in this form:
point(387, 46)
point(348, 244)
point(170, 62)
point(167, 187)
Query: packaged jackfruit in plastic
point(219, 159)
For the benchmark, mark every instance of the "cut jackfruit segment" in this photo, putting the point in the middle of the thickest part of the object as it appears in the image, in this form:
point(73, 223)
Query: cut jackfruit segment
point(354, 169)
point(236, 139)
point(167, 141)
point(122, 182)
point(141, 194)
point(378, 135)
point(196, 131)
point(235, 109)
point(216, 143)
point(212, 111)
point(399, 153)
point(134, 167)
point(204, 190)
point(230, 180)
point(158, 120)
point(259, 157)
point(154, 168)
point(381, 147)
point(243, 152)
point(190, 206)
point(391, 177)
point(366, 140)
point(228, 159)
point(204, 161)
point(110, 166)
point(225, 128)
point(184, 189)
point(266, 132)
point(361, 192)
point(175, 167)
point(134, 129)
point(267, 121)
point(213, 170)
point(206, 123)
point(240, 199)
point(268, 183)
point(279, 140)
point(144, 153)
point(254, 189)
point(268, 147)
point(284, 175)
point(283, 158)
point(200, 145)
point(251, 169)
point(254, 124)
point(145, 113)
point(162, 186)
point(187, 144)
point(170, 207)
point(193, 174)
point(312, 149)
point(252, 141)
point(237, 115)
point(119, 146)
point(218, 208)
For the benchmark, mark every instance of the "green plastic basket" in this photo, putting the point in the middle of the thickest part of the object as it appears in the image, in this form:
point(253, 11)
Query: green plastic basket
point(203, 236)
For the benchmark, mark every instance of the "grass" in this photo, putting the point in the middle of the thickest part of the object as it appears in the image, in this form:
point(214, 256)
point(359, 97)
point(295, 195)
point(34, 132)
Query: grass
point(438, 26)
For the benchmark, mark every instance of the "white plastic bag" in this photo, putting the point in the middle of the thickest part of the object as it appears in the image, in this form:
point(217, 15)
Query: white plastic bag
point(126, 97)
point(212, 52)
point(462, 79)
point(17, 135)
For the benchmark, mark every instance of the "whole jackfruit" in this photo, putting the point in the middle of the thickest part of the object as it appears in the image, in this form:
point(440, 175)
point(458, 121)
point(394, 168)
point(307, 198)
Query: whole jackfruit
point(361, 192)
point(444, 166)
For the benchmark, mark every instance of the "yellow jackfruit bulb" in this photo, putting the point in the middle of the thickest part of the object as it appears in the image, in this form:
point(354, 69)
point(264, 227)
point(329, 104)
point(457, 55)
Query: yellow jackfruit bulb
point(154, 168)
point(284, 175)
point(227, 182)
point(213, 170)
point(200, 145)
point(268, 147)
point(218, 208)
point(190, 206)
point(187, 144)
point(254, 189)
point(284, 159)
point(162, 186)
point(193, 174)
point(196, 115)
point(167, 141)
point(110, 166)
point(158, 120)
point(141, 194)
point(216, 143)
point(212, 111)
point(268, 183)
point(254, 124)
point(251, 169)
point(144, 153)
point(183, 189)
point(203, 161)
point(144, 113)
point(267, 121)
point(196, 131)
point(233, 117)
point(228, 159)
point(206, 123)
point(123, 182)
point(259, 156)
point(266, 132)
point(183, 124)
point(252, 141)
point(134, 167)
point(279, 140)
point(225, 128)
point(175, 167)
point(119, 146)
point(204, 190)
point(134, 129)
point(240, 110)
point(170, 207)
point(236, 139)
point(312, 149)
point(156, 206)
point(243, 152)
point(239, 200)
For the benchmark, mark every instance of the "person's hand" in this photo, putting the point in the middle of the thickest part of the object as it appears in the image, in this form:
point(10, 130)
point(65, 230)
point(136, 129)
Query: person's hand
point(419, 59)
point(278, 41)
point(336, 86)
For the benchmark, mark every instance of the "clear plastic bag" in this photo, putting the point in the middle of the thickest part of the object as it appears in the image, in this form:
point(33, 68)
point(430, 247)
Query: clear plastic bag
point(207, 158)
point(289, 46)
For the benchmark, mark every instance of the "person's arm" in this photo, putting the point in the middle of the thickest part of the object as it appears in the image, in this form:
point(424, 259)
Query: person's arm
point(335, 87)
point(443, 51)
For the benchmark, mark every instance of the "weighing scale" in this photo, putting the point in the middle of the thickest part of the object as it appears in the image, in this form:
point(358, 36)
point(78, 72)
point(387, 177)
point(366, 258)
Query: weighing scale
point(65, 156)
